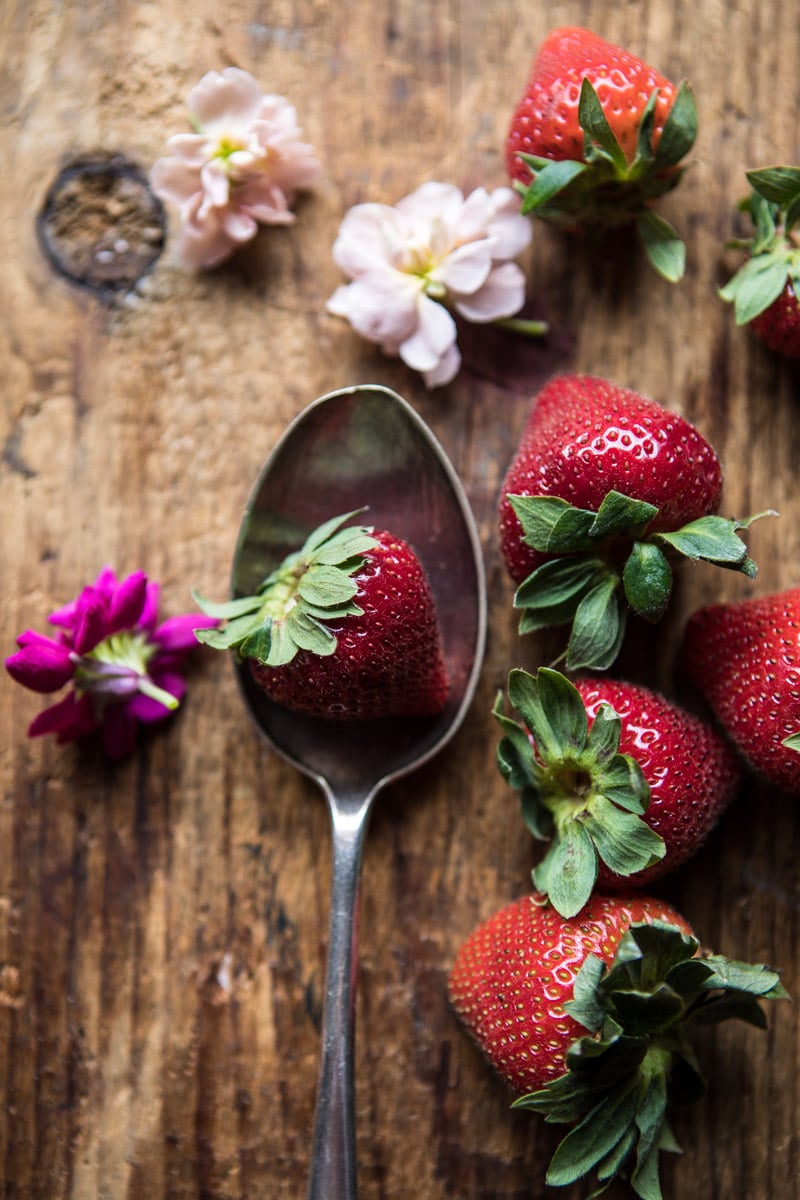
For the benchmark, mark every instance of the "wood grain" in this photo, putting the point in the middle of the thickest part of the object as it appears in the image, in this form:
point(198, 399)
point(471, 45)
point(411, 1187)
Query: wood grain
point(163, 923)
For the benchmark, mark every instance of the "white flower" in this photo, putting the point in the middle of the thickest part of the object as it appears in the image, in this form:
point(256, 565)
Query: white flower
point(433, 248)
point(240, 168)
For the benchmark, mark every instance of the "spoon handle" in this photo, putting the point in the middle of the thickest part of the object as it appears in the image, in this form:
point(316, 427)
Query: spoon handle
point(333, 1148)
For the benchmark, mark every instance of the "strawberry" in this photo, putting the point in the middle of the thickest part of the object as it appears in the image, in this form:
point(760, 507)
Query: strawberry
point(345, 628)
point(745, 659)
point(765, 291)
point(623, 785)
point(605, 489)
point(588, 1019)
point(597, 137)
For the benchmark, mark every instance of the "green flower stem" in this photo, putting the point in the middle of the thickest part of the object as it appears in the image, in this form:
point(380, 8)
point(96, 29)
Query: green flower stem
point(160, 695)
point(524, 326)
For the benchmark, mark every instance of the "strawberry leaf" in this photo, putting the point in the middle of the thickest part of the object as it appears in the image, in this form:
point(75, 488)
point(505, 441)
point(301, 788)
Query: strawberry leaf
point(346, 545)
point(568, 871)
point(636, 1062)
point(781, 185)
point(791, 215)
point(552, 710)
point(323, 533)
point(308, 633)
point(272, 646)
point(645, 156)
point(577, 790)
point(585, 1006)
point(621, 516)
point(257, 642)
point(598, 628)
point(792, 742)
point(711, 539)
point(624, 842)
point(599, 139)
point(662, 245)
point(680, 129)
point(647, 581)
point(288, 612)
point(232, 633)
point(603, 740)
point(594, 1138)
point(552, 525)
point(551, 594)
point(757, 285)
point(326, 586)
point(550, 180)
point(622, 782)
point(228, 608)
point(754, 979)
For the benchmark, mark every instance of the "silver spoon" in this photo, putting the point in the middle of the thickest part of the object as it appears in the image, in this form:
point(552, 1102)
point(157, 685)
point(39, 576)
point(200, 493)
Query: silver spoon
point(362, 446)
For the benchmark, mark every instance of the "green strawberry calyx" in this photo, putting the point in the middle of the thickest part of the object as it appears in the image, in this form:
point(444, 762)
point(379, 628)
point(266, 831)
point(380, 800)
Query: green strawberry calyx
point(577, 791)
point(608, 562)
point(605, 190)
point(774, 249)
point(291, 608)
point(636, 1062)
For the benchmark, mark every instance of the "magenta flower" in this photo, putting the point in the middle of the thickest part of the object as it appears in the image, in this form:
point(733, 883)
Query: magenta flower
point(124, 667)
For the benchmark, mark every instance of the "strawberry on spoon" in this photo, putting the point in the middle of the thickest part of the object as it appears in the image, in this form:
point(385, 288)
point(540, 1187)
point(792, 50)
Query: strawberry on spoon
point(345, 628)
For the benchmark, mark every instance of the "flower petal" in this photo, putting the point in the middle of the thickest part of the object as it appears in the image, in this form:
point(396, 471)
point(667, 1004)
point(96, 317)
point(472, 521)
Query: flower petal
point(174, 180)
point(92, 624)
point(382, 307)
point(445, 370)
point(205, 248)
point(149, 614)
point(371, 237)
point(510, 231)
point(263, 201)
point(40, 664)
point(238, 225)
point(215, 183)
point(232, 96)
point(176, 634)
point(502, 295)
point(466, 268)
point(433, 337)
point(127, 603)
point(71, 718)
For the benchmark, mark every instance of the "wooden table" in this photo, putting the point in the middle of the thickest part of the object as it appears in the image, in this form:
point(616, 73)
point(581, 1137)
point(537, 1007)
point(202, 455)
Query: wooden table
point(163, 923)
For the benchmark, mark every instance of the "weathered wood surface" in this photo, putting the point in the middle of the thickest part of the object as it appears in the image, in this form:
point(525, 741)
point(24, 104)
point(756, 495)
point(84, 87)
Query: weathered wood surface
point(163, 923)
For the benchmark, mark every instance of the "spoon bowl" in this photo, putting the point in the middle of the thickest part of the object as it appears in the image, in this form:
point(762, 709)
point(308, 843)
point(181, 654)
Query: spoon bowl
point(362, 447)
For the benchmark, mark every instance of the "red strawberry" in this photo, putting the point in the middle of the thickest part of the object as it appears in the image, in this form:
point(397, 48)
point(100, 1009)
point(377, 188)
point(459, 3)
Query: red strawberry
point(346, 628)
point(778, 325)
point(605, 488)
point(623, 785)
point(765, 290)
point(588, 1017)
point(597, 136)
point(745, 658)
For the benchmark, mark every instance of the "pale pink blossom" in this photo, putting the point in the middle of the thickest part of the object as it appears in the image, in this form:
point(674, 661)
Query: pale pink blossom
point(434, 250)
point(241, 167)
